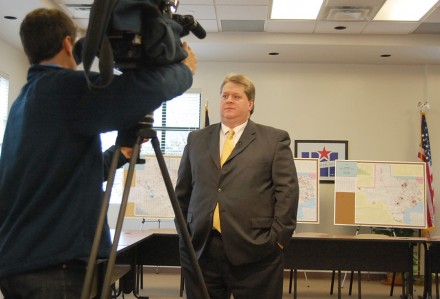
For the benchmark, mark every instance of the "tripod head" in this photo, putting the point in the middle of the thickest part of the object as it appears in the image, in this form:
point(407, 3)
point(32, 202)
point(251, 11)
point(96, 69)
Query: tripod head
point(145, 127)
point(128, 137)
point(137, 134)
point(148, 121)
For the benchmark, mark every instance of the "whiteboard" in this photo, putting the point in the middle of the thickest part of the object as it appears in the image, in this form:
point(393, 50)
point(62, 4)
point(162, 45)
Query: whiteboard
point(377, 193)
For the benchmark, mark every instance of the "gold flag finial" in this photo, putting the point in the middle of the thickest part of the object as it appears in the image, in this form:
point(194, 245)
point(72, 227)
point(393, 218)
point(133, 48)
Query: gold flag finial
point(423, 107)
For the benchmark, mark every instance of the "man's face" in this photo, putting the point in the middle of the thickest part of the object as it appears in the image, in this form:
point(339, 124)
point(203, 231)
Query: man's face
point(235, 105)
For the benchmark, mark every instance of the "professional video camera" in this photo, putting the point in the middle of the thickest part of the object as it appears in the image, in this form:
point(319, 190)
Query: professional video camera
point(156, 39)
point(130, 34)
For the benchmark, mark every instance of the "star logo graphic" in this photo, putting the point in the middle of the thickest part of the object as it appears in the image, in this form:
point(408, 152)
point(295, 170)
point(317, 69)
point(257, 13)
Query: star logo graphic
point(324, 153)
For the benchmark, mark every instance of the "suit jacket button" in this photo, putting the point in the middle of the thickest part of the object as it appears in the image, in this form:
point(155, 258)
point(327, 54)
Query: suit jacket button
point(219, 190)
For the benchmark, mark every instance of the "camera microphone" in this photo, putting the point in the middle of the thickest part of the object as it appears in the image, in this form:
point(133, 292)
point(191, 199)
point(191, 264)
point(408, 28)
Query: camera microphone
point(188, 22)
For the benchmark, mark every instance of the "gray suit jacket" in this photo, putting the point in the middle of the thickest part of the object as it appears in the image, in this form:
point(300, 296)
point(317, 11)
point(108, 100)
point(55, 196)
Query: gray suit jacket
point(257, 189)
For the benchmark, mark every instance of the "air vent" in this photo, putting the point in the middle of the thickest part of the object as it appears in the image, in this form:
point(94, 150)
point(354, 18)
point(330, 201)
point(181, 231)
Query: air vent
point(78, 11)
point(242, 25)
point(348, 14)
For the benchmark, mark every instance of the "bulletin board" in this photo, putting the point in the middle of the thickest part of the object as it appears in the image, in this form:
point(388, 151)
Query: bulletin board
point(377, 193)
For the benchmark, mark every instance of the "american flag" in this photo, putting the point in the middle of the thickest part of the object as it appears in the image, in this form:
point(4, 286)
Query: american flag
point(425, 156)
point(206, 116)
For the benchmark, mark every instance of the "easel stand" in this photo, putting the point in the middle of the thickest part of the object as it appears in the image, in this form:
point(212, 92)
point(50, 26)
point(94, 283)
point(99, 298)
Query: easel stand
point(145, 132)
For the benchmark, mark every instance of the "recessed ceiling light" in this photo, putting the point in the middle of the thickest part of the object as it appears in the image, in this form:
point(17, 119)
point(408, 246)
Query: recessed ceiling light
point(404, 10)
point(295, 9)
point(10, 17)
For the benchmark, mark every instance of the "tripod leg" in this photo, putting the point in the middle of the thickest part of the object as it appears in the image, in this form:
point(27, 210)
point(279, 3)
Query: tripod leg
point(180, 221)
point(118, 228)
point(85, 294)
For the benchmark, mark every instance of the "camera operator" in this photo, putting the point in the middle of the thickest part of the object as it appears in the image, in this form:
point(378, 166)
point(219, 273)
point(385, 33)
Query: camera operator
point(51, 166)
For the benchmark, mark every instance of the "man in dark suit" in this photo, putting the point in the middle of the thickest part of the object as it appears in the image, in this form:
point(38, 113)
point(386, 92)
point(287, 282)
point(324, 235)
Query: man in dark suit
point(240, 207)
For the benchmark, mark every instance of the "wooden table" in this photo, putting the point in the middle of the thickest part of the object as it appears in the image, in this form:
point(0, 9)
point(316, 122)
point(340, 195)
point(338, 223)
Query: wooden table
point(351, 253)
point(305, 252)
point(145, 247)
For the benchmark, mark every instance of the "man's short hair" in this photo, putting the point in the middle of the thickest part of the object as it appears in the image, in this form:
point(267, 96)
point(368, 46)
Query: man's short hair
point(42, 33)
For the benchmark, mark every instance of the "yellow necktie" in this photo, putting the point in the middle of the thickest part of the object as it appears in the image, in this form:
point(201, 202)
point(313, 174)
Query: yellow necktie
point(228, 146)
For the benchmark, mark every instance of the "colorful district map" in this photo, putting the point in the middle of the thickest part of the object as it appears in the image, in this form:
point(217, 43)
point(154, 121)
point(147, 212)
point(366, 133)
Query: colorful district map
point(148, 196)
point(385, 193)
point(308, 179)
point(148, 192)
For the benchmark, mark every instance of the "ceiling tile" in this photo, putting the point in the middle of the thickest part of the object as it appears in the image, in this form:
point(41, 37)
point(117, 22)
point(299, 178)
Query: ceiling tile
point(209, 25)
point(226, 12)
point(196, 2)
point(82, 23)
point(202, 12)
point(290, 26)
point(428, 28)
point(390, 27)
point(242, 2)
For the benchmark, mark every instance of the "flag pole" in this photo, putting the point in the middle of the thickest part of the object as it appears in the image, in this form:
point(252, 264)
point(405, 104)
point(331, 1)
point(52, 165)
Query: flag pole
point(206, 121)
point(425, 156)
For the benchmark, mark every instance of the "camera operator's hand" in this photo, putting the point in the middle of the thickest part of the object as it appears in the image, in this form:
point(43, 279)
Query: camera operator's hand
point(191, 60)
point(127, 152)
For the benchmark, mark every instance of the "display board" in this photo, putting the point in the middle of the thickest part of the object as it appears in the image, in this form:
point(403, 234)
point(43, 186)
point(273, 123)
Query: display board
point(148, 196)
point(308, 180)
point(375, 193)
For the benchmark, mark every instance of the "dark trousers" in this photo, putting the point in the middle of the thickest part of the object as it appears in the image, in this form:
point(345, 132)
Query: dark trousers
point(260, 280)
point(56, 282)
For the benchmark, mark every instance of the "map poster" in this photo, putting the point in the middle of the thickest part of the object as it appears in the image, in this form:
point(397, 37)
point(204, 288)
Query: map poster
point(148, 192)
point(149, 198)
point(308, 180)
point(388, 194)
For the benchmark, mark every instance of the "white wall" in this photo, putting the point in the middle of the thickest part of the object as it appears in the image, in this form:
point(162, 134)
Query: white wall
point(13, 63)
point(374, 107)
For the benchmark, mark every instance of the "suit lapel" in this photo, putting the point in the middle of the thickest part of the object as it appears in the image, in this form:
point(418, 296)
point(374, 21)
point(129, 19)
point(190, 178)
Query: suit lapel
point(214, 146)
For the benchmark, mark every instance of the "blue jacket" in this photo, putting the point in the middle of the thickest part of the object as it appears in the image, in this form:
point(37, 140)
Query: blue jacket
point(51, 168)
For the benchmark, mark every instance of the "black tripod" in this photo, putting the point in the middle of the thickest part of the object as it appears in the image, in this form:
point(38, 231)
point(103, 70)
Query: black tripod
point(144, 131)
